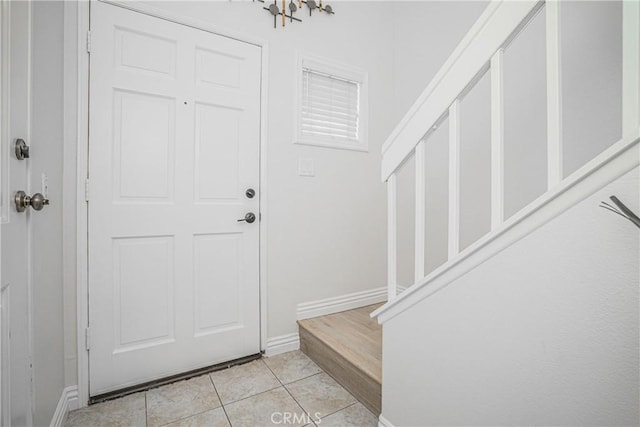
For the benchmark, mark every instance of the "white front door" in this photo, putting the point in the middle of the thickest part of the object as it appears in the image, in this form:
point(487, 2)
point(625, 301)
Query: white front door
point(15, 296)
point(173, 148)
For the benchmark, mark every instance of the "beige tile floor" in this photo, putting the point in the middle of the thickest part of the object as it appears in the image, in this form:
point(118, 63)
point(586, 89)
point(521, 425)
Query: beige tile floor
point(284, 390)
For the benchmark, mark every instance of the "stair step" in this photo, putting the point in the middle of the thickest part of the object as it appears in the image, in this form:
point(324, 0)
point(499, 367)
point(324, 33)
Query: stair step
point(348, 346)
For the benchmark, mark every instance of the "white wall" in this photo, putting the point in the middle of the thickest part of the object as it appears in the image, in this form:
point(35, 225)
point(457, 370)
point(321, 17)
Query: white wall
point(46, 157)
point(544, 333)
point(424, 35)
point(326, 234)
point(591, 42)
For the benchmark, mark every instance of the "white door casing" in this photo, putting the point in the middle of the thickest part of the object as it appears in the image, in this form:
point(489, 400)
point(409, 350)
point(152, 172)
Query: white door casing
point(174, 143)
point(15, 285)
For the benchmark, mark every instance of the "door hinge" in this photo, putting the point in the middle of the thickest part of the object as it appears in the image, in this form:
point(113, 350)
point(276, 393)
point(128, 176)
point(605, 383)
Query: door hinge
point(87, 338)
point(88, 41)
point(86, 190)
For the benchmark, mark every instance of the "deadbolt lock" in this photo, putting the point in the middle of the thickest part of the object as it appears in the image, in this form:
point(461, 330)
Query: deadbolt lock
point(21, 149)
point(37, 201)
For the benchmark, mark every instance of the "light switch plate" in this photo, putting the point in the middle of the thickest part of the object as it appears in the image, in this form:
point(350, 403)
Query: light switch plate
point(306, 167)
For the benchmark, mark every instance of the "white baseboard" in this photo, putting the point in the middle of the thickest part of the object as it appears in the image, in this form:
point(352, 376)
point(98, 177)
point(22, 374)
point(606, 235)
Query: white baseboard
point(282, 344)
point(400, 289)
point(332, 305)
point(307, 310)
point(68, 402)
point(383, 422)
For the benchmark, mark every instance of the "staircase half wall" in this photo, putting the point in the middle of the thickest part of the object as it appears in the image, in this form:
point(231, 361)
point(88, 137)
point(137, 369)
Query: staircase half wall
point(545, 332)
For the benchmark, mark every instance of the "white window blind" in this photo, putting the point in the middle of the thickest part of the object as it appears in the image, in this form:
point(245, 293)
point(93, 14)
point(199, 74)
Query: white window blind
point(330, 106)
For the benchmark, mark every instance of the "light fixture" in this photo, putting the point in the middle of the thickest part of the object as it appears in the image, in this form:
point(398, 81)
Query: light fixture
point(293, 8)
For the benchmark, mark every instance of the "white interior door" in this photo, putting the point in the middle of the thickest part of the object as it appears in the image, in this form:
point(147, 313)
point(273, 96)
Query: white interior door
point(15, 286)
point(173, 147)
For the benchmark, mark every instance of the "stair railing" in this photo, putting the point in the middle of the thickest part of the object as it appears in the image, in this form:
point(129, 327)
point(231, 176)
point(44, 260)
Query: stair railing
point(481, 49)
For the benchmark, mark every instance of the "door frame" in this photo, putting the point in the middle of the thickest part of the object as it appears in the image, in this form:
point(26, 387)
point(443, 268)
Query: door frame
point(80, 114)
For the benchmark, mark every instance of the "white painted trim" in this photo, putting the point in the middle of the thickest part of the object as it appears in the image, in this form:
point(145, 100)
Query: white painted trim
point(198, 24)
point(614, 162)
point(264, 188)
point(343, 71)
point(420, 209)
point(554, 96)
point(497, 139)
point(4, 175)
point(630, 67)
point(282, 344)
point(308, 310)
point(490, 32)
point(68, 402)
point(29, 237)
point(69, 211)
point(5, 351)
point(453, 245)
point(392, 236)
point(383, 422)
point(82, 156)
point(82, 169)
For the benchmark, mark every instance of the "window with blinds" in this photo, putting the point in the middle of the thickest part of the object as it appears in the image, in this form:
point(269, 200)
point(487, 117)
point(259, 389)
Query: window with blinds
point(331, 105)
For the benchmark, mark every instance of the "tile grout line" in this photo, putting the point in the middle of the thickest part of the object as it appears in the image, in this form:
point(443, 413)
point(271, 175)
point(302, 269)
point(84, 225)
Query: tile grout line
point(318, 373)
point(289, 393)
point(304, 378)
point(326, 415)
point(191, 414)
point(346, 407)
point(253, 395)
point(220, 399)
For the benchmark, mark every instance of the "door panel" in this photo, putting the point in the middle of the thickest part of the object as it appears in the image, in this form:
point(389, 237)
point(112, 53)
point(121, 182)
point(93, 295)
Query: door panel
point(144, 131)
point(218, 265)
point(15, 294)
point(174, 144)
point(143, 266)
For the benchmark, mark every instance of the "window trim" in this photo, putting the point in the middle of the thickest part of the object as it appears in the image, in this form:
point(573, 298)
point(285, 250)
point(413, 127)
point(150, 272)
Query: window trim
point(341, 71)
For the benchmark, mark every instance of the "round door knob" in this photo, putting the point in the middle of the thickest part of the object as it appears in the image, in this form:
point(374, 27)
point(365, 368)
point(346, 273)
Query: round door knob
point(249, 217)
point(37, 201)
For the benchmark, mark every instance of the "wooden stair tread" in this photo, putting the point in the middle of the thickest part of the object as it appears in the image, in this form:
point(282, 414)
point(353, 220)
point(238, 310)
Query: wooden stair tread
point(353, 334)
point(348, 346)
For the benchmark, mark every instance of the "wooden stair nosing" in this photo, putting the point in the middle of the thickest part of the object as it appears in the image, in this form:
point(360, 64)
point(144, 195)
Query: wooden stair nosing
point(348, 354)
point(358, 382)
